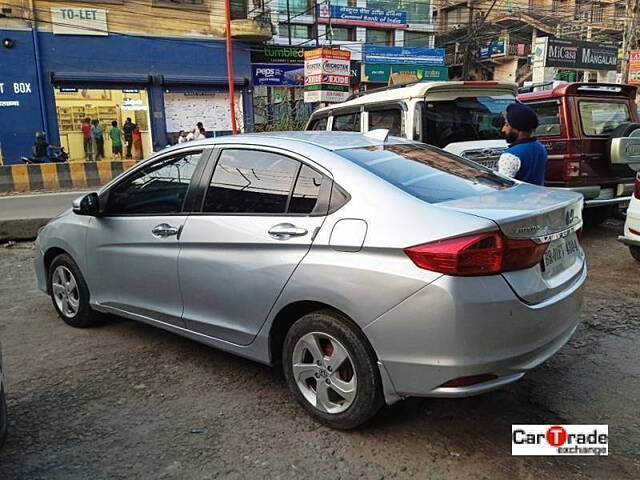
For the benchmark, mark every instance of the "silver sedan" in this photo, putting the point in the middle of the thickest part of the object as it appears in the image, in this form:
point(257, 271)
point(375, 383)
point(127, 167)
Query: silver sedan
point(374, 269)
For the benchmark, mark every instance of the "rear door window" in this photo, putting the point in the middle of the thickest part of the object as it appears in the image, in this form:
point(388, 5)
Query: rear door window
point(427, 173)
point(349, 122)
point(549, 118)
point(600, 117)
point(391, 118)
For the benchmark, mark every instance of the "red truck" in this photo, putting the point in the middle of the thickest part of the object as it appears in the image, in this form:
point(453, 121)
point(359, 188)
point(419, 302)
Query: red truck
point(592, 136)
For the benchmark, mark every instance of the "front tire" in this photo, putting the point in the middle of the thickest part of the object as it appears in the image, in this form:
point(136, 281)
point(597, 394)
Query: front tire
point(332, 370)
point(69, 293)
point(4, 419)
point(635, 252)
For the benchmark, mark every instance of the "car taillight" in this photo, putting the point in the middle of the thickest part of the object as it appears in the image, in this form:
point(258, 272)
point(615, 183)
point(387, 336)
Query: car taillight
point(636, 188)
point(479, 254)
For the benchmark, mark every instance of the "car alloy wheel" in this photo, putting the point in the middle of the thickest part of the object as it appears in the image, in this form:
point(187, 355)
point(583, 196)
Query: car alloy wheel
point(65, 291)
point(323, 371)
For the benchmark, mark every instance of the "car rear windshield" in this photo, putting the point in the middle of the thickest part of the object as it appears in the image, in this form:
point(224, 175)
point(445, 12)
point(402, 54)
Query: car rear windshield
point(601, 117)
point(427, 173)
point(464, 119)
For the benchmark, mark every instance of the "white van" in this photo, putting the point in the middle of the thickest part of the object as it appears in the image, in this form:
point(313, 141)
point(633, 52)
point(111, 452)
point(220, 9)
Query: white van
point(464, 118)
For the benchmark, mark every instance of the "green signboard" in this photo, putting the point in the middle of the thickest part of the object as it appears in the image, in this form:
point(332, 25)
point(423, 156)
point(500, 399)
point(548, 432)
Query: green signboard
point(380, 72)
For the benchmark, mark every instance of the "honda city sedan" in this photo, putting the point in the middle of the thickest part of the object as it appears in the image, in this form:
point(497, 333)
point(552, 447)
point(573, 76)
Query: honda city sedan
point(372, 268)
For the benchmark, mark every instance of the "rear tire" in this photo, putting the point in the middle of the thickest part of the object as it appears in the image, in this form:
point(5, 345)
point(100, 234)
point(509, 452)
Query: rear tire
point(69, 293)
point(4, 419)
point(595, 216)
point(331, 369)
point(635, 252)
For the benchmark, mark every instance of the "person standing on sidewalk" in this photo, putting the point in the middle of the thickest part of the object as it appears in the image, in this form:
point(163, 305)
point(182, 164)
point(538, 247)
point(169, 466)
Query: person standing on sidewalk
point(116, 140)
point(526, 157)
point(97, 134)
point(137, 141)
point(86, 138)
point(127, 129)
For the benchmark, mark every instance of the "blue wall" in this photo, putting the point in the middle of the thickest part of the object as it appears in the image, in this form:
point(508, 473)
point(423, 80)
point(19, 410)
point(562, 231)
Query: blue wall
point(18, 124)
point(112, 55)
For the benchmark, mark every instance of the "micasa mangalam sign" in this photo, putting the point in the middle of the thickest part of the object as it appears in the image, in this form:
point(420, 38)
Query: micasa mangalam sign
point(575, 54)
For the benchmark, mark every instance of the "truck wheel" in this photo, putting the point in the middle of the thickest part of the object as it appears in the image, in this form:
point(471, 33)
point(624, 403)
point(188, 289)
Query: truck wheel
point(595, 216)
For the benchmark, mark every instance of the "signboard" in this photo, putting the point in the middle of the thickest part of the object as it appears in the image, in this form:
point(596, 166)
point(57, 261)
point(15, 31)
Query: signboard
point(380, 73)
point(494, 49)
point(184, 110)
point(403, 55)
point(274, 75)
point(327, 74)
point(363, 17)
point(634, 67)
point(575, 54)
point(278, 55)
point(79, 21)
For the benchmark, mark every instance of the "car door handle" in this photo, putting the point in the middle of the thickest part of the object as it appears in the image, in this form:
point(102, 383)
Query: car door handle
point(283, 231)
point(164, 230)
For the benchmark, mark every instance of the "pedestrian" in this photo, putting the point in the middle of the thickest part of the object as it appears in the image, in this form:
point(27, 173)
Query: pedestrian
point(199, 133)
point(40, 149)
point(127, 129)
point(86, 138)
point(97, 134)
point(526, 157)
point(136, 135)
point(116, 140)
point(182, 136)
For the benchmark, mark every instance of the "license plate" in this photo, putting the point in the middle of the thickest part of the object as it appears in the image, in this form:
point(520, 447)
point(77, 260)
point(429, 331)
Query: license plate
point(560, 255)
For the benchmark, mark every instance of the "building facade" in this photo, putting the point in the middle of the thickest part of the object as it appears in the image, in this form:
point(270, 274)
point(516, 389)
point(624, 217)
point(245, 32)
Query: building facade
point(159, 62)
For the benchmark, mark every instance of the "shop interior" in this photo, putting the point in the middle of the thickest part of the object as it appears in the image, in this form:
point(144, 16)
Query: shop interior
point(75, 104)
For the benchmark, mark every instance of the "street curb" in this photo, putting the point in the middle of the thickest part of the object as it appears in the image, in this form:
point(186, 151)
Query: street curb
point(23, 229)
point(55, 176)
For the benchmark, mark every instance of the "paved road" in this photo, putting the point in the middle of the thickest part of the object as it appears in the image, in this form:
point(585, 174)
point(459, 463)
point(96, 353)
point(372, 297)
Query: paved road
point(125, 400)
point(42, 205)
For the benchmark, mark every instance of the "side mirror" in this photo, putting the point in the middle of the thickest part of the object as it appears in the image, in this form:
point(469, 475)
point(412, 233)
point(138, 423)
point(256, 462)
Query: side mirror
point(87, 205)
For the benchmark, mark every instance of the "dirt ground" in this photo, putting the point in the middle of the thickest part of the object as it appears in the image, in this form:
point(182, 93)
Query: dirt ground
point(125, 400)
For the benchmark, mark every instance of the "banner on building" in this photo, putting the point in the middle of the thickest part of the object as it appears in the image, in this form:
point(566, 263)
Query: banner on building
point(278, 55)
point(380, 72)
point(327, 74)
point(363, 17)
point(274, 75)
point(575, 54)
point(495, 48)
point(403, 55)
point(79, 21)
point(634, 67)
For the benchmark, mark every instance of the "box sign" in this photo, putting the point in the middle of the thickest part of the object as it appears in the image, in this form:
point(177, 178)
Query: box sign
point(327, 74)
point(274, 75)
point(380, 73)
point(363, 17)
point(403, 55)
point(277, 55)
point(493, 49)
point(575, 54)
point(79, 21)
point(634, 67)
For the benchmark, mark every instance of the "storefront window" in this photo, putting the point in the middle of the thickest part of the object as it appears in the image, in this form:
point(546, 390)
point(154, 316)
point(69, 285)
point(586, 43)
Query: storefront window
point(380, 37)
point(74, 105)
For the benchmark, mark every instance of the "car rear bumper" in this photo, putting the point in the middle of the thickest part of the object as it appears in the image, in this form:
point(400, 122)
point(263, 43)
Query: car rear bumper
point(458, 327)
point(598, 196)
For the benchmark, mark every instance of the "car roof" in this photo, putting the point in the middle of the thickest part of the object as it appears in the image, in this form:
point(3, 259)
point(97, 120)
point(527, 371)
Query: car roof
point(419, 90)
point(584, 89)
point(327, 140)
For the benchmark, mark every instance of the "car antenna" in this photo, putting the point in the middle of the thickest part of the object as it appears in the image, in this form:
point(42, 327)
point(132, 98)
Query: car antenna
point(378, 134)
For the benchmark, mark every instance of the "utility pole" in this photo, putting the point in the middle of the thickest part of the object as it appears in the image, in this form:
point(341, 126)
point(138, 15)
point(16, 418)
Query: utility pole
point(232, 105)
point(466, 59)
point(629, 40)
point(289, 21)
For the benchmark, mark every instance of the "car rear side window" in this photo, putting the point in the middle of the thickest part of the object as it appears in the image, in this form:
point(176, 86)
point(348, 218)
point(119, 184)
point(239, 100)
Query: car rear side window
point(388, 118)
point(306, 192)
point(251, 181)
point(349, 122)
point(427, 173)
point(318, 124)
point(158, 189)
point(549, 118)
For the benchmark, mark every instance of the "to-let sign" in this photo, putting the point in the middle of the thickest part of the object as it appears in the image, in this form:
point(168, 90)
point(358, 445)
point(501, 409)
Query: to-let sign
point(79, 21)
